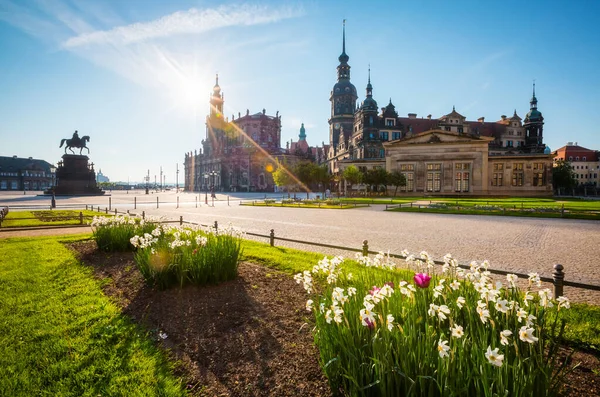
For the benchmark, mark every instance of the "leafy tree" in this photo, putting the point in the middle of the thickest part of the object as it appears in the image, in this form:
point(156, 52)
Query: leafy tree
point(304, 173)
point(282, 177)
point(320, 174)
point(352, 175)
point(396, 179)
point(377, 176)
point(563, 176)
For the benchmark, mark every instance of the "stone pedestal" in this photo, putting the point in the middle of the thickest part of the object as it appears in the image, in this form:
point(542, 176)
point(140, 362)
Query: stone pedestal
point(75, 176)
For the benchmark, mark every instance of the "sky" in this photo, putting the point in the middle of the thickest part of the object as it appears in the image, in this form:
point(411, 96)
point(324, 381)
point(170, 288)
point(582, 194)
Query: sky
point(136, 75)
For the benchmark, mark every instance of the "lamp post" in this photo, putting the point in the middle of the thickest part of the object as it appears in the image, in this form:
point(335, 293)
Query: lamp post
point(213, 175)
point(206, 188)
point(53, 175)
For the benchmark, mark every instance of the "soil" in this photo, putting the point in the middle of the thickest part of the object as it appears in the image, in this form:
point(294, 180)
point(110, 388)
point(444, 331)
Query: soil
point(246, 337)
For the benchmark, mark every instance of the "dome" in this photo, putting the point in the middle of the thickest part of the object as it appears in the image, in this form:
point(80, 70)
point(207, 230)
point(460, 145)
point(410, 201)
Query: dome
point(547, 150)
point(534, 115)
point(369, 104)
point(344, 87)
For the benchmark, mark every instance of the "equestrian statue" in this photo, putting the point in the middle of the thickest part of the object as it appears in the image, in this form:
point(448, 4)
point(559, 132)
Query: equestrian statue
point(75, 141)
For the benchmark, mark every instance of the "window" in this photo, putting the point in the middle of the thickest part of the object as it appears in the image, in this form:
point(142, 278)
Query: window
point(434, 177)
point(447, 128)
point(517, 175)
point(577, 167)
point(460, 129)
point(371, 135)
point(382, 153)
point(408, 171)
point(538, 174)
point(462, 177)
point(384, 135)
point(509, 143)
point(577, 158)
point(570, 158)
point(390, 122)
point(3, 185)
point(498, 166)
point(395, 135)
point(584, 158)
point(370, 120)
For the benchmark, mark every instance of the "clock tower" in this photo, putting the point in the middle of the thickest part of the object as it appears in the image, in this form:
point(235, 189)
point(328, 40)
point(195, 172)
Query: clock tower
point(343, 100)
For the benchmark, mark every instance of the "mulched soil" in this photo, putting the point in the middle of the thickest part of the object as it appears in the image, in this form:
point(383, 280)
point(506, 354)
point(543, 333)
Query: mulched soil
point(246, 337)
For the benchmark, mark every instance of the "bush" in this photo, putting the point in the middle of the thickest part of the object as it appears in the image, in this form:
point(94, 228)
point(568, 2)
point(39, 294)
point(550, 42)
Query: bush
point(113, 233)
point(458, 333)
point(179, 255)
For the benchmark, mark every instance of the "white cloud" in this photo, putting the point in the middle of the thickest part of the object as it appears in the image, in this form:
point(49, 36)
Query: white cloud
point(185, 22)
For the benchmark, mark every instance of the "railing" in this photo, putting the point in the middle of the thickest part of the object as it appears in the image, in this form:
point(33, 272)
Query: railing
point(558, 274)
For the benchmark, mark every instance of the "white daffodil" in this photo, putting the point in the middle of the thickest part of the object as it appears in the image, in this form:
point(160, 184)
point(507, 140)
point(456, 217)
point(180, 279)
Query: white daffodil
point(527, 298)
point(484, 314)
point(328, 317)
point(545, 297)
point(433, 309)
point(526, 335)
point(512, 279)
point(494, 357)
point(454, 285)
point(443, 348)
point(501, 305)
point(457, 331)
point(534, 278)
point(337, 314)
point(309, 305)
point(530, 319)
point(521, 314)
point(504, 337)
point(563, 301)
point(351, 291)
point(460, 301)
point(389, 322)
point(442, 311)
point(367, 316)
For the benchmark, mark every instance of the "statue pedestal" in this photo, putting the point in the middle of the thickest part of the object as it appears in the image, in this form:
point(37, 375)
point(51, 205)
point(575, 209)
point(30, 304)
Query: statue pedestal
point(75, 177)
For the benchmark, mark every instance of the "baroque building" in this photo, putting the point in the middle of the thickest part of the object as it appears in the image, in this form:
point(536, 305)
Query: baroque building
point(240, 155)
point(449, 155)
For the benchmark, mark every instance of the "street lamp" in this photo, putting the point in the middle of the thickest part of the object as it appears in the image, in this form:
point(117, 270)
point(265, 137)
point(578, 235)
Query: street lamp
point(206, 188)
point(213, 175)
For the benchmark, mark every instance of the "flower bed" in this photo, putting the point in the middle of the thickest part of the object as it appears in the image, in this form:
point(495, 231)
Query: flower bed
point(180, 255)
point(382, 333)
point(114, 233)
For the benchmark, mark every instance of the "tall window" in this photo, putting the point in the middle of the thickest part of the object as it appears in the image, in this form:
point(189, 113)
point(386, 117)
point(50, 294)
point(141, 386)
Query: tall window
point(498, 174)
point(395, 135)
point(408, 170)
point(517, 174)
point(538, 174)
point(384, 135)
point(434, 177)
point(462, 177)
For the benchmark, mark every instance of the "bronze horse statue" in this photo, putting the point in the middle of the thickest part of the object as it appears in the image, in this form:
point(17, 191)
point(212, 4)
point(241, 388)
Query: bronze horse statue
point(76, 142)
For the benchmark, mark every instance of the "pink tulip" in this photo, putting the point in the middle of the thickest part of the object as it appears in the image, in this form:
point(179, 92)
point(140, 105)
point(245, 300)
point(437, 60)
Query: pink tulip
point(422, 280)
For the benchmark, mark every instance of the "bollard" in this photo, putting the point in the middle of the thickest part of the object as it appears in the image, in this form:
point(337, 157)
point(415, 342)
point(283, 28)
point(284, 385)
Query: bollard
point(196, 202)
point(80, 218)
point(156, 201)
point(135, 203)
point(559, 276)
point(216, 226)
point(228, 201)
point(180, 220)
point(86, 207)
point(365, 248)
point(115, 212)
point(562, 211)
point(98, 208)
point(177, 201)
point(106, 210)
point(143, 214)
point(272, 238)
point(109, 202)
point(127, 212)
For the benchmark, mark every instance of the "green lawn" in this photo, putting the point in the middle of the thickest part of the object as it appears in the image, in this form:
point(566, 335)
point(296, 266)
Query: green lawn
point(47, 218)
point(300, 204)
point(60, 336)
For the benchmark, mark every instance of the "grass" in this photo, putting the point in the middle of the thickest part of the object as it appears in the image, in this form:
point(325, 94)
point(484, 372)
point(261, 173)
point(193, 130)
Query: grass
point(583, 320)
point(60, 336)
point(470, 210)
point(46, 218)
point(300, 204)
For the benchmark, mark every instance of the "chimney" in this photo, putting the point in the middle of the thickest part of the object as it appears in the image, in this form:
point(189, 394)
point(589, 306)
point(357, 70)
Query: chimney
point(569, 143)
point(15, 156)
point(412, 115)
point(428, 117)
point(481, 119)
point(31, 158)
point(503, 117)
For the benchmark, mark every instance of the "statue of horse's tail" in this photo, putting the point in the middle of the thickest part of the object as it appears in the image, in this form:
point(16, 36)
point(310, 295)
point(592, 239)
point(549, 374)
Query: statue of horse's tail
point(62, 142)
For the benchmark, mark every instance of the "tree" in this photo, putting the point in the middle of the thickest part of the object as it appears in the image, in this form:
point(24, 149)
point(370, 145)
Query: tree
point(377, 176)
point(282, 177)
point(563, 176)
point(352, 175)
point(320, 175)
point(304, 173)
point(397, 179)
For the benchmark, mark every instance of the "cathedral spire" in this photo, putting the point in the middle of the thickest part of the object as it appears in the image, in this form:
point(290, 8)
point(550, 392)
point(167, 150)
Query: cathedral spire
point(343, 58)
point(369, 86)
point(533, 102)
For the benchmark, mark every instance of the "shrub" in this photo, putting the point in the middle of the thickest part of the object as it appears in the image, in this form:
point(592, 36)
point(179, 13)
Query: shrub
point(457, 333)
point(170, 255)
point(114, 233)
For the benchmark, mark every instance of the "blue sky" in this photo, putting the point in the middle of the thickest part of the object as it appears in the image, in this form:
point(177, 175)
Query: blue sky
point(136, 75)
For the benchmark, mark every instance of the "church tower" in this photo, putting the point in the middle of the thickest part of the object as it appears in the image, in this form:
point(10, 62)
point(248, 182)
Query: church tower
point(343, 99)
point(216, 101)
point(534, 126)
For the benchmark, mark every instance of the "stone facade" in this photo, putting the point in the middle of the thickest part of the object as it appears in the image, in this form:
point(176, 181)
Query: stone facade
point(18, 173)
point(445, 155)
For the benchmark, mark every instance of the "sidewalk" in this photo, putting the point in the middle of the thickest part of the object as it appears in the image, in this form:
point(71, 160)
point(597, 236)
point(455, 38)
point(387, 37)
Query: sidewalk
point(34, 232)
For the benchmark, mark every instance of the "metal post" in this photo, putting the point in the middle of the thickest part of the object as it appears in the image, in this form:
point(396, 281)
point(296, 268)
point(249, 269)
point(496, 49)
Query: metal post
point(365, 248)
point(80, 218)
point(562, 211)
point(135, 203)
point(559, 276)
point(105, 210)
point(156, 201)
point(177, 201)
point(272, 237)
point(180, 220)
point(216, 225)
point(109, 202)
point(196, 201)
point(143, 214)
point(115, 212)
point(228, 200)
